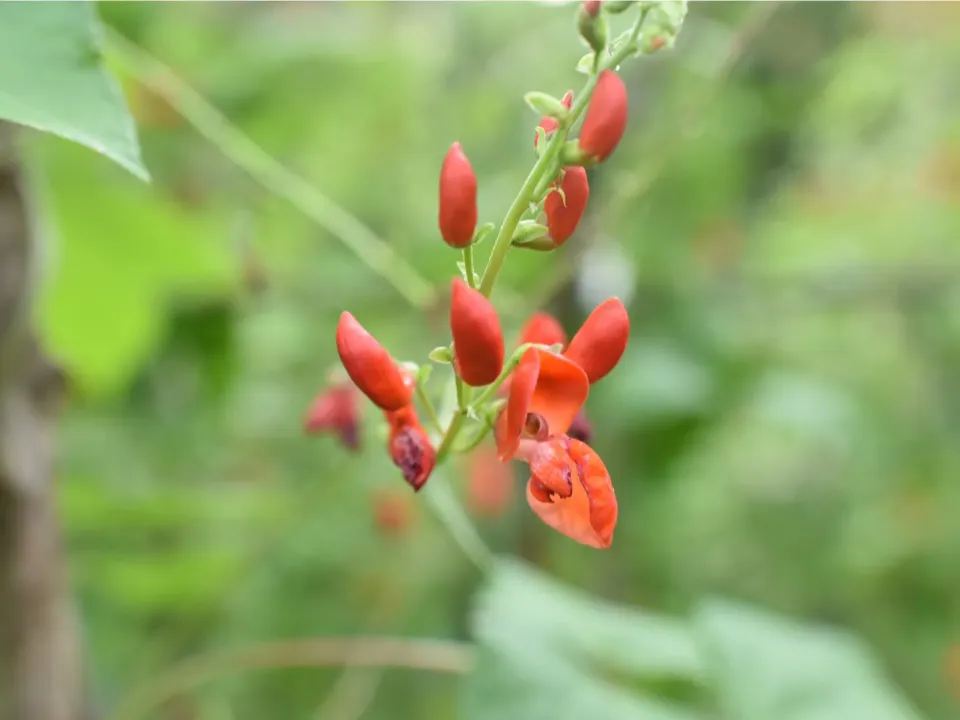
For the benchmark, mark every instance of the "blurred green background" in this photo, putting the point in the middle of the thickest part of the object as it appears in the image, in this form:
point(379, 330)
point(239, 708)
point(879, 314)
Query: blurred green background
point(782, 219)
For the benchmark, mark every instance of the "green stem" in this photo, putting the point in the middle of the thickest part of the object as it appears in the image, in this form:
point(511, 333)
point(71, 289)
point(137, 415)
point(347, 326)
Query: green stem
point(451, 514)
point(264, 168)
point(456, 421)
point(468, 266)
point(508, 367)
point(538, 174)
point(429, 409)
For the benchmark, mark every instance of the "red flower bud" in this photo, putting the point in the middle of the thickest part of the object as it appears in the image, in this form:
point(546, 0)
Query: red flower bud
point(606, 117)
point(335, 410)
point(477, 337)
point(563, 217)
point(601, 340)
point(543, 329)
point(550, 124)
point(592, 7)
point(458, 198)
point(370, 366)
point(410, 447)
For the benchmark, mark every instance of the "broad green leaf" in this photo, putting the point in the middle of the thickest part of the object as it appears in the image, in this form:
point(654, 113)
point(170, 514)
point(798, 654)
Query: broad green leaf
point(771, 667)
point(565, 654)
point(52, 78)
point(120, 253)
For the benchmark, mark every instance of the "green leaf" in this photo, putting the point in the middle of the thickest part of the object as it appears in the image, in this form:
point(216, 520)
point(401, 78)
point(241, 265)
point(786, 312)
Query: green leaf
point(557, 653)
point(545, 104)
point(441, 355)
point(121, 254)
point(52, 78)
point(771, 667)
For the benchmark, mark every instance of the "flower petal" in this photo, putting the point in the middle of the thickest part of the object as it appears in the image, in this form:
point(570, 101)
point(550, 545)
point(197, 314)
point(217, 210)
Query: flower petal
point(601, 340)
point(512, 419)
point(543, 329)
point(562, 388)
point(589, 514)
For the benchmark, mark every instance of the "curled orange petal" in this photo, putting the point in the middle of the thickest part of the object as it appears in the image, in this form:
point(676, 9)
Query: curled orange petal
point(542, 329)
point(601, 340)
point(562, 388)
point(512, 419)
point(589, 514)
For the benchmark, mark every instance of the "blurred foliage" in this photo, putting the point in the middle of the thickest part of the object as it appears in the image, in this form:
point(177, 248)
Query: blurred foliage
point(782, 217)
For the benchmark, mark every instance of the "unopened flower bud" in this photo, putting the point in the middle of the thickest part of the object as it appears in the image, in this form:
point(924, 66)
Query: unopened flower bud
point(564, 209)
point(592, 26)
point(605, 119)
point(549, 124)
point(370, 366)
point(477, 336)
point(458, 199)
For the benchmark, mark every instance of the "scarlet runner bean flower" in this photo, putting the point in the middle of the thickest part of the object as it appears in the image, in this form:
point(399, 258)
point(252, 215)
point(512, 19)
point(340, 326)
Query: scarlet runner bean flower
point(606, 117)
point(410, 447)
point(477, 337)
point(458, 198)
point(570, 488)
point(336, 411)
point(370, 366)
point(549, 124)
point(564, 209)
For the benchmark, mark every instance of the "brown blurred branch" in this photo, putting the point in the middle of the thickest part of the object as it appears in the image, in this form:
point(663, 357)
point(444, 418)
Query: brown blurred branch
point(40, 669)
point(441, 656)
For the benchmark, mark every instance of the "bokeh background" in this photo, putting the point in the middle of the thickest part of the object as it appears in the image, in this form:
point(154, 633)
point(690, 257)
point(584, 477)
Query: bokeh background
point(782, 218)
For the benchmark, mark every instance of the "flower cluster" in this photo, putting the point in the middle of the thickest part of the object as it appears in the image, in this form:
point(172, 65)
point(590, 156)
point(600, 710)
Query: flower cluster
point(531, 400)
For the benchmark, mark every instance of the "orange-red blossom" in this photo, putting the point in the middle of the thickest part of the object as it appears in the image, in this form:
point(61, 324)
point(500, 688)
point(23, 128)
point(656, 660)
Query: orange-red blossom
point(569, 488)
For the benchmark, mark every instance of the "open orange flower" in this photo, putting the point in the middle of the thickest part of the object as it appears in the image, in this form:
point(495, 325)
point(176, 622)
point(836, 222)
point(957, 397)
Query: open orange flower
point(570, 488)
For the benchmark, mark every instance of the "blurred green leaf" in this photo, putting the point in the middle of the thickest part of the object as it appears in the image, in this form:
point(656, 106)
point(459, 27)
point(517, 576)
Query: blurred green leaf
point(771, 667)
point(52, 79)
point(563, 654)
point(122, 254)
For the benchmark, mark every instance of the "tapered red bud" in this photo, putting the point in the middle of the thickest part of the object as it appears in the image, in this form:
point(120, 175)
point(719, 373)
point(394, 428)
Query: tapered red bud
point(477, 336)
point(458, 198)
point(601, 340)
point(606, 117)
point(564, 210)
point(592, 7)
point(370, 366)
point(550, 124)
